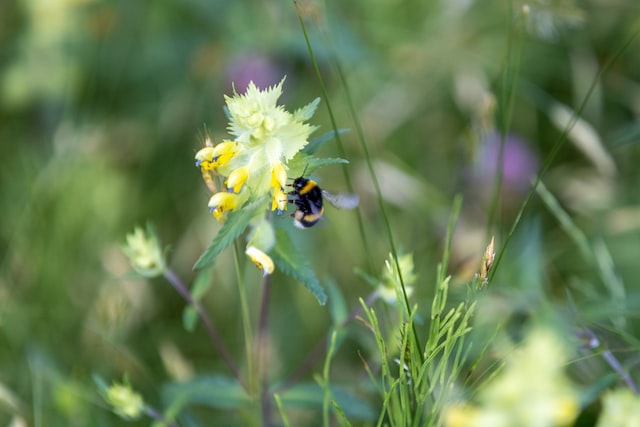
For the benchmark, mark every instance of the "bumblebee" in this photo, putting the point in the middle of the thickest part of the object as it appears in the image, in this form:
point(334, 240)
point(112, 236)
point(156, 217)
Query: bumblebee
point(308, 198)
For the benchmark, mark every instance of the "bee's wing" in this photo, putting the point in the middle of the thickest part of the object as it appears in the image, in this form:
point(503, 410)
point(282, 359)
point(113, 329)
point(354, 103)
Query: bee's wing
point(342, 201)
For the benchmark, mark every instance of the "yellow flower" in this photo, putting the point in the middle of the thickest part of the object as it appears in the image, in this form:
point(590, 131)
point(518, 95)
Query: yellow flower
point(464, 415)
point(144, 253)
point(253, 164)
point(279, 200)
point(221, 203)
point(267, 134)
point(260, 259)
point(204, 158)
point(237, 178)
point(265, 137)
point(278, 182)
point(211, 158)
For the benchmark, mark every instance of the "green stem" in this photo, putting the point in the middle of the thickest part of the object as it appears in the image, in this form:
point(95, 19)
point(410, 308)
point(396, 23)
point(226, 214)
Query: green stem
point(263, 353)
point(246, 318)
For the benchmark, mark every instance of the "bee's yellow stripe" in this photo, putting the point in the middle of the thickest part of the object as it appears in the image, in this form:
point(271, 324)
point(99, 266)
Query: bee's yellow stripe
point(310, 185)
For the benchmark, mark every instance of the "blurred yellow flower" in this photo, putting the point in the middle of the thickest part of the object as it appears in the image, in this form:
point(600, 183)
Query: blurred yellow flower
point(144, 253)
point(620, 408)
point(530, 391)
point(125, 402)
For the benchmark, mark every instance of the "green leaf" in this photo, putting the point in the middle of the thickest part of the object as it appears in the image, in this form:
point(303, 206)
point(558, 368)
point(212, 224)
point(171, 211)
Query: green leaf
point(215, 391)
point(337, 306)
point(200, 287)
point(594, 391)
point(233, 227)
point(189, 318)
point(201, 284)
point(292, 262)
point(318, 142)
point(305, 164)
point(341, 415)
point(310, 395)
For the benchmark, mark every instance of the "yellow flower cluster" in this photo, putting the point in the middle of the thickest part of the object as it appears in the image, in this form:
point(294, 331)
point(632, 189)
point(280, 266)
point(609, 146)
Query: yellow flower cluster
point(253, 162)
point(530, 391)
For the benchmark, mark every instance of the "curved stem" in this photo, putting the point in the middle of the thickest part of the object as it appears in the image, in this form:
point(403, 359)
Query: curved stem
point(206, 320)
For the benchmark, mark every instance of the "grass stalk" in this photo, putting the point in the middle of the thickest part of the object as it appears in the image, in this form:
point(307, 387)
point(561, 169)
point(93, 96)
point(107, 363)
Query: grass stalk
point(367, 157)
point(557, 146)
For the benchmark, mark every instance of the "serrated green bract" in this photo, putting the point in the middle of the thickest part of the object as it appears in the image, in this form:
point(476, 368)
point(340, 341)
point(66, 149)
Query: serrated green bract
point(233, 227)
point(290, 261)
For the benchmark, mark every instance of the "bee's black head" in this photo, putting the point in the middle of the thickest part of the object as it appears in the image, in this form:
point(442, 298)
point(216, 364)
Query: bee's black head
point(299, 182)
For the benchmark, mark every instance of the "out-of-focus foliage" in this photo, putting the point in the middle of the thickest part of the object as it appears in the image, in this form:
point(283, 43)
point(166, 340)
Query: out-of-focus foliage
point(103, 105)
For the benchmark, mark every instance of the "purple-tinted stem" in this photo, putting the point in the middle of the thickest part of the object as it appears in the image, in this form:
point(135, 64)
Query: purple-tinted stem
point(154, 414)
point(593, 342)
point(321, 347)
point(211, 330)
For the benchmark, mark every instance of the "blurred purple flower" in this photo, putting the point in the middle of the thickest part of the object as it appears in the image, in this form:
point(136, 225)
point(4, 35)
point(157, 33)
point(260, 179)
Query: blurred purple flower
point(519, 166)
point(262, 70)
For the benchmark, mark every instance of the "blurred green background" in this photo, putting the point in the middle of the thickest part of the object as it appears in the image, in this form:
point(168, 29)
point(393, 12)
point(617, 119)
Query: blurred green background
point(103, 105)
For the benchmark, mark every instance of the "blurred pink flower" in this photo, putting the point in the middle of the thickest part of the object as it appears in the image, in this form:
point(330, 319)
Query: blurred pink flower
point(520, 164)
point(262, 70)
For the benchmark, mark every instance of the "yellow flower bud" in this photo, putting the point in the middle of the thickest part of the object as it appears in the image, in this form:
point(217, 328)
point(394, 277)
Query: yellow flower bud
point(125, 402)
point(260, 259)
point(144, 253)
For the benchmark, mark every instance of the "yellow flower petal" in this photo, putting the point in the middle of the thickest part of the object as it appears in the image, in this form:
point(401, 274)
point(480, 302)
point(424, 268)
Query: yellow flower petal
point(222, 202)
point(278, 176)
point(260, 259)
point(204, 159)
point(211, 158)
point(279, 200)
point(237, 178)
point(223, 152)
